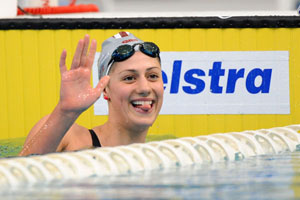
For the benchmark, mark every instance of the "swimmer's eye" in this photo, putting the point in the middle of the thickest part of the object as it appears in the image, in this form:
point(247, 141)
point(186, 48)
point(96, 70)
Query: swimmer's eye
point(153, 77)
point(129, 78)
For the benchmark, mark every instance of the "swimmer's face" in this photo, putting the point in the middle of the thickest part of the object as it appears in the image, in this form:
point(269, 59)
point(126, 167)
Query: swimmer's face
point(135, 90)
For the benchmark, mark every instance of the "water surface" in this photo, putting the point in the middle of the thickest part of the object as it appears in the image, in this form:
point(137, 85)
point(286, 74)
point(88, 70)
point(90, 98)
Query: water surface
point(260, 177)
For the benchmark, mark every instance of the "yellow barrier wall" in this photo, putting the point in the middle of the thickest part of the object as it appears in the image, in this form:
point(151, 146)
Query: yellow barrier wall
point(29, 75)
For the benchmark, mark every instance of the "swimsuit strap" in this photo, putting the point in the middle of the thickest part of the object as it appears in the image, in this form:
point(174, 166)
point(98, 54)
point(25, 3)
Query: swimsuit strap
point(96, 142)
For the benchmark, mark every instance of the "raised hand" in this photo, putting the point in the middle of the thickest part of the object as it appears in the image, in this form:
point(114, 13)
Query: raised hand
point(76, 93)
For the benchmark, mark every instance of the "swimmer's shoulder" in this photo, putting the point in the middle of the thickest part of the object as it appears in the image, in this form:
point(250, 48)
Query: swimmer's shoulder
point(76, 138)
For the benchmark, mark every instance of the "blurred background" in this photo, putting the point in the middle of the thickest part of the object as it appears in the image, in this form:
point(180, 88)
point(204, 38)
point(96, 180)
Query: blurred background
point(31, 94)
point(190, 5)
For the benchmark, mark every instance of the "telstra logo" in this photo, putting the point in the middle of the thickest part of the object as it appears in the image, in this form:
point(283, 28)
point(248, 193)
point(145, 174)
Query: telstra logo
point(195, 83)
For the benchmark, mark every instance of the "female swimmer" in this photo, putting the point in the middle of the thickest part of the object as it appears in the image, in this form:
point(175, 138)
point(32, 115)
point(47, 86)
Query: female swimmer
point(131, 82)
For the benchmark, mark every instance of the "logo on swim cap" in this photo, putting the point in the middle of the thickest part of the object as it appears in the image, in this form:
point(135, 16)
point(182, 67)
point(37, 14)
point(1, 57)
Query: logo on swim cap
point(130, 40)
point(121, 35)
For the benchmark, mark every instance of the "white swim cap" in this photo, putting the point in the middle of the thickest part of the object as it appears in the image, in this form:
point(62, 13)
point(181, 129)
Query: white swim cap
point(109, 46)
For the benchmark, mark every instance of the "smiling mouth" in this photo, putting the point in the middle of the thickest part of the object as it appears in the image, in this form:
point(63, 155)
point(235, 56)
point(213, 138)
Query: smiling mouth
point(144, 105)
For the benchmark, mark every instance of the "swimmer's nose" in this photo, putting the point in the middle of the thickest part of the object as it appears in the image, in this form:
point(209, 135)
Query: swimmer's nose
point(143, 87)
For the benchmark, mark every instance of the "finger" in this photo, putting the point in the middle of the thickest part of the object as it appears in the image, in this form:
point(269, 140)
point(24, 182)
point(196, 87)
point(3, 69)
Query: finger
point(91, 54)
point(85, 50)
point(102, 84)
point(77, 55)
point(62, 62)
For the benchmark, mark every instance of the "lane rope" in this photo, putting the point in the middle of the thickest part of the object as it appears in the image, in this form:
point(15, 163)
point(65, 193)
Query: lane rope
point(121, 160)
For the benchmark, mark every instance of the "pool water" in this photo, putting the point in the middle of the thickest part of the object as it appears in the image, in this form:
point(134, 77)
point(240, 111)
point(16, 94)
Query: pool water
point(11, 147)
point(259, 177)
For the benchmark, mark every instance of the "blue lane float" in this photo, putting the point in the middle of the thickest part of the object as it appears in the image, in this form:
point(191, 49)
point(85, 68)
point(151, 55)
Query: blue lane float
point(111, 161)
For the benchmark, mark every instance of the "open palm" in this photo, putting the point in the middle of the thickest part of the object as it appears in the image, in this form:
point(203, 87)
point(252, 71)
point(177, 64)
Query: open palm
point(76, 93)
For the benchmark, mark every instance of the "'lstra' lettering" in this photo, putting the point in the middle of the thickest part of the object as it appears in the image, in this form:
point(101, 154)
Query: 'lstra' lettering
point(197, 85)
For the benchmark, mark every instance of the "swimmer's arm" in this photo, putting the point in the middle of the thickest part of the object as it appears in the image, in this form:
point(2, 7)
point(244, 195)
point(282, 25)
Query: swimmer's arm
point(76, 95)
point(47, 134)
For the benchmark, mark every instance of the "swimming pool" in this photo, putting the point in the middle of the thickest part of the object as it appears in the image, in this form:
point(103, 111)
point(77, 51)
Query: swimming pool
point(259, 177)
point(269, 176)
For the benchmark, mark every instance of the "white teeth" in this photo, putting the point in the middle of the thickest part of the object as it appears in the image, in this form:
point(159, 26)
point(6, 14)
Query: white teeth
point(142, 103)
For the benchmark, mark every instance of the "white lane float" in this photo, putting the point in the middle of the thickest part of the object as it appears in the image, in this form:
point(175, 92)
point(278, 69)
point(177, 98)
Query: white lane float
point(109, 161)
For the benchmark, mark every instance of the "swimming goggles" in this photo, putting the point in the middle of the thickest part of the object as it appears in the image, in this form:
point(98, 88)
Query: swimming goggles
point(125, 51)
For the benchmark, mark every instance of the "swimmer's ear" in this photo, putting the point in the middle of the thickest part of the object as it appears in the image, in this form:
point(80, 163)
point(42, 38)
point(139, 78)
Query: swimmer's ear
point(105, 93)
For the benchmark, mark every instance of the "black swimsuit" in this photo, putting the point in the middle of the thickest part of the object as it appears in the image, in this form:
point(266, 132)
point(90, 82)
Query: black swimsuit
point(96, 142)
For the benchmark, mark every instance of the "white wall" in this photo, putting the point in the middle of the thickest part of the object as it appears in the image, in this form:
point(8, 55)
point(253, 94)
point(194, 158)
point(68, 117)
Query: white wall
point(8, 9)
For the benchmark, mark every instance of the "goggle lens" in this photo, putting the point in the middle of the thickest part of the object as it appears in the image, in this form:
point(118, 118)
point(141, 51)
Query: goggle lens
point(122, 52)
point(150, 49)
